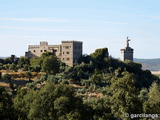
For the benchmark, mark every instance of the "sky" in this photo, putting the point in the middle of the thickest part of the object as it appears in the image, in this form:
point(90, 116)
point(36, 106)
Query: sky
point(98, 23)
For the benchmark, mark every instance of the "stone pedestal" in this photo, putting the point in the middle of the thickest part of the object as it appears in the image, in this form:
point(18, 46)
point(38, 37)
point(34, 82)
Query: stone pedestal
point(127, 54)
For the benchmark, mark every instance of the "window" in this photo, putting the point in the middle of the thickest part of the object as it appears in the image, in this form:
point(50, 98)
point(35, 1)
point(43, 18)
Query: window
point(34, 51)
point(63, 52)
point(67, 52)
point(67, 59)
point(45, 50)
point(67, 47)
point(41, 50)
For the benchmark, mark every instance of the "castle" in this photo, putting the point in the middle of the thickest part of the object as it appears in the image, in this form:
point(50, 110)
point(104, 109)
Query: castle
point(127, 52)
point(68, 52)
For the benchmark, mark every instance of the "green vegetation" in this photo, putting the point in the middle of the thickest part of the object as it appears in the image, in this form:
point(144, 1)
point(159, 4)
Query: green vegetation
point(97, 87)
point(7, 111)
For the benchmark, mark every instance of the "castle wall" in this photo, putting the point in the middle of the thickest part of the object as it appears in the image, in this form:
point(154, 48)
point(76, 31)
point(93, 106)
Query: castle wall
point(38, 50)
point(68, 51)
point(56, 49)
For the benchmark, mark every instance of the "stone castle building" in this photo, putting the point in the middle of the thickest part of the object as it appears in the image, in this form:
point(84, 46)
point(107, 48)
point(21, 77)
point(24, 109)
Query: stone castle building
point(68, 52)
point(127, 52)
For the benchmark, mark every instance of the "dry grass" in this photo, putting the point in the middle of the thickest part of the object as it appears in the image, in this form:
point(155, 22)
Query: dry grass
point(4, 84)
point(77, 86)
point(156, 73)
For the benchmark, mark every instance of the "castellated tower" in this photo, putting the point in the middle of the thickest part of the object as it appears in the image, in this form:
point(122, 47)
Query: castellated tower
point(127, 52)
point(68, 52)
point(71, 52)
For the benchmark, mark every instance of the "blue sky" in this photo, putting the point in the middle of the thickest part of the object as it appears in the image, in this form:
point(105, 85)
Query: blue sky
point(98, 23)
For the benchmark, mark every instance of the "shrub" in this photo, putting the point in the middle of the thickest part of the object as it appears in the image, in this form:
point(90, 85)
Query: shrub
point(21, 75)
point(65, 82)
point(34, 74)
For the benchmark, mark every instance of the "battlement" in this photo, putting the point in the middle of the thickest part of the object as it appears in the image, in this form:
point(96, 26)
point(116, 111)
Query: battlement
point(33, 46)
point(43, 43)
point(72, 41)
point(54, 45)
point(127, 49)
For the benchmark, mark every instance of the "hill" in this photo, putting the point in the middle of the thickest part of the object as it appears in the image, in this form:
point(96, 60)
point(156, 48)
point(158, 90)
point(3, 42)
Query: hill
point(95, 88)
point(150, 64)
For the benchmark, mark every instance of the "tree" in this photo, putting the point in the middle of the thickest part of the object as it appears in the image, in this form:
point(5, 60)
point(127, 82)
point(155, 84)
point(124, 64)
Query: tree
point(100, 109)
point(152, 105)
point(7, 76)
point(124, 96)
point(26, 67)
point(133, 67)
point(7, 61)
point(51, 102)
point(98, 58)
point(51, 78)
point(2, 61)
point(28, 75)
point(6, 106)
point(100, 54)
point(96, 79)
point(143, 95)
point(35, 64)
point(46, 54)
point(1, 66)
point(22, 61)
point(12, 66)
point(50, 65)
point(21, 103)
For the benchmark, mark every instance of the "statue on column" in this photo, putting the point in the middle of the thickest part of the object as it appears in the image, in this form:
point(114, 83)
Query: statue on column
point(127, 42)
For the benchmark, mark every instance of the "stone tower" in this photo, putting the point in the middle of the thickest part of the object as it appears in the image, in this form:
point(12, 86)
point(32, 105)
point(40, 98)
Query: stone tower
point(127, 52)
point(71, 51)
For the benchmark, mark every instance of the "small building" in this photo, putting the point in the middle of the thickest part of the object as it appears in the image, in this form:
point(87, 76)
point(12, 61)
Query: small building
point(68, 52)
point(127, 52)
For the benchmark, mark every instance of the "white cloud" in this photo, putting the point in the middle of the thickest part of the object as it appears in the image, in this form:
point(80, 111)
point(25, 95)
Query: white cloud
point(120, 23)
point(150, 16)
point(36, 20)
point(39, 29)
